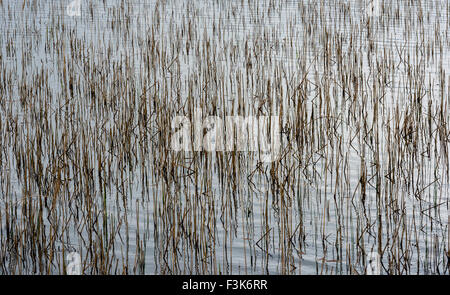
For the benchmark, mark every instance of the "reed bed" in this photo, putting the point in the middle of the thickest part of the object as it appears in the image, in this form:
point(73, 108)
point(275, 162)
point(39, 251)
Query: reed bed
point(87, 105)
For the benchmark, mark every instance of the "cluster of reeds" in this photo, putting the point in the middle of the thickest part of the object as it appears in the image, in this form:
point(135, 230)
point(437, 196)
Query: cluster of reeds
point(86, 111)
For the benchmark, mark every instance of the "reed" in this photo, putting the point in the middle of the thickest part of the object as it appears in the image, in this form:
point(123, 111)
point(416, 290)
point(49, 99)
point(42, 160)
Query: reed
point(86, 111)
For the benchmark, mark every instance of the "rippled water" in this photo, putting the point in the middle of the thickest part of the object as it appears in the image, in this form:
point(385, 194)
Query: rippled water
point(322, 220)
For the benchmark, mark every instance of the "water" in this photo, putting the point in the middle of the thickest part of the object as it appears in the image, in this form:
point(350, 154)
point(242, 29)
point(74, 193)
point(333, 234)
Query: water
point(124, 210)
